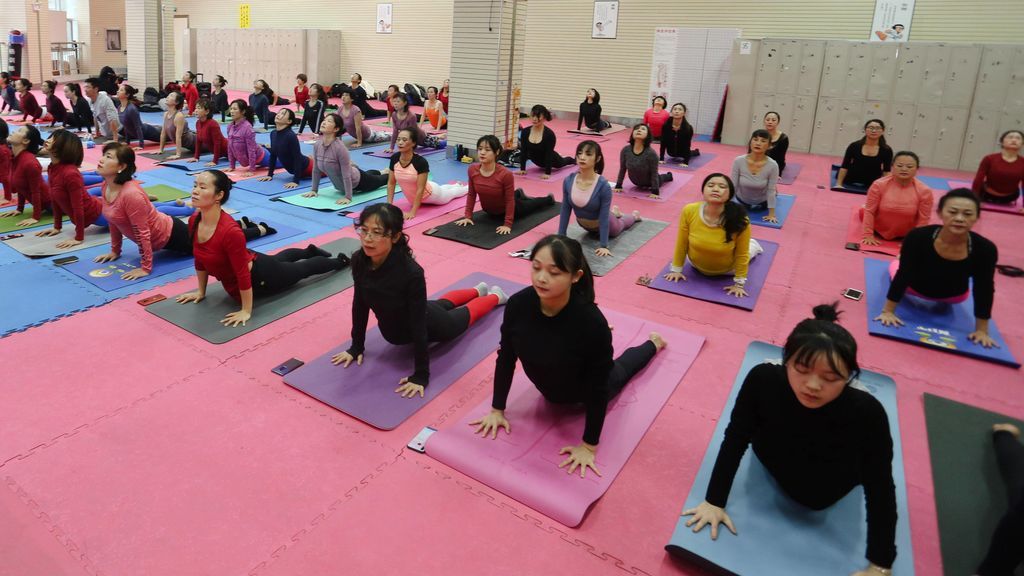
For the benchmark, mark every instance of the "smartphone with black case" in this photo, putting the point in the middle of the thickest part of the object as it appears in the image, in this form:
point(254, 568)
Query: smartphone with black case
point(65, 260)
point(287, 366)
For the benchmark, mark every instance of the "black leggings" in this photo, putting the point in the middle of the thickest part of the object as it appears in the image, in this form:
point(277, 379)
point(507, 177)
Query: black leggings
point(539, 157)
point(149, 132)
point(627, 365)
point(662, 178)
point(1005, 553)
point(445, 321)
point(369, 111)
point(181, 241)
point(599, 125)
point(526, 205)
point(986, 197)
point(370, 180)
point(271, 274)
point(75, 122)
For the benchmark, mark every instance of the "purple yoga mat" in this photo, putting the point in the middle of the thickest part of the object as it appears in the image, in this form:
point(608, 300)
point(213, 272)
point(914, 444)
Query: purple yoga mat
point(712, 288)
point(791, 173)
point(367, 392)
point(666, 191)
point(696, 162)
point(524, 464)
point(383, 153)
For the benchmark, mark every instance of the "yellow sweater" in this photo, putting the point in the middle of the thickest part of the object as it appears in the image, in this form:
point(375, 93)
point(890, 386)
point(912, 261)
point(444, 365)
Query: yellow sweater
point(706, 248)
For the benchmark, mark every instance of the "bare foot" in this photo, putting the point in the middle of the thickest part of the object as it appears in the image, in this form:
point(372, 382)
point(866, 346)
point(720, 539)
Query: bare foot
point(656, 338)
point(636, 215)
point(1007, 427)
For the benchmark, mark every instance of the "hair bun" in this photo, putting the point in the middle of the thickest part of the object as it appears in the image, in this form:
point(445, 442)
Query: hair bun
point(827, 312)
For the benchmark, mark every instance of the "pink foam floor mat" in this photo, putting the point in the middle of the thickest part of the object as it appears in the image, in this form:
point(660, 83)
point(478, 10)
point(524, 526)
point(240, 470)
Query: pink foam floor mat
point(524, 464)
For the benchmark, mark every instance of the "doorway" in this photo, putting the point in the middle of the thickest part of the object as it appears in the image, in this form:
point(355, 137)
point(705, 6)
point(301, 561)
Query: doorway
point(182, 51)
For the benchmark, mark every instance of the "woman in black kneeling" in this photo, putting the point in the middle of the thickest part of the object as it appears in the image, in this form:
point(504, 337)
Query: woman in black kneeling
point(537, 143)
point(817, 435)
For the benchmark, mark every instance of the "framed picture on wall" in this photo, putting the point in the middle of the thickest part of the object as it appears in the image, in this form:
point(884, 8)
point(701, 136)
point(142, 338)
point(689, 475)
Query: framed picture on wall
point(113, 41)
point(384, 18)
point(606, 20)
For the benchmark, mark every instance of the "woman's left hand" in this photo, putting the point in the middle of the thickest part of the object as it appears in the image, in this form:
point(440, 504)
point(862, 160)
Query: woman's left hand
point(735, 290)
point(982, 338)
point(68, 243)
point(503, 230)
point(233, 319)
point(264, 179)
point(48, 232)
point(409, 389)
point(173, 156)
point(27, 222)
point(582, 456)
point(134, 274)
point(603, 252)
point(771, 219)
point(10, 214)
point(289, 185)
point(408, 215)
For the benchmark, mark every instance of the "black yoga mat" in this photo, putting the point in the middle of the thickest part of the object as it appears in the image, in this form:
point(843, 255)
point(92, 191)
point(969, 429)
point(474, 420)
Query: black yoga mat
point(482, 234)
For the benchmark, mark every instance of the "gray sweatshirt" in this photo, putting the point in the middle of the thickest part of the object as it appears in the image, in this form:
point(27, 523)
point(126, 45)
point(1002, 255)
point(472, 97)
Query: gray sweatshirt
point(642, 168)
point(755, 189)
point(334, 161)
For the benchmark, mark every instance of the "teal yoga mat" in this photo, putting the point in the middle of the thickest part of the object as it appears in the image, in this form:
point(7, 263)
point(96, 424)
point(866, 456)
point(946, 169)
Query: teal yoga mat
point(326, 200)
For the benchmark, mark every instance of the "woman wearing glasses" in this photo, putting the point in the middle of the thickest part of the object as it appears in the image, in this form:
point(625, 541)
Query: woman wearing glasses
point(867, 159)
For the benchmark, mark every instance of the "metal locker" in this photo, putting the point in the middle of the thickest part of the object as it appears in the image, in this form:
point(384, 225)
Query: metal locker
point(909, 71)
point(826, 119)
point(962, 76)
point(926, 129)
point(812, 56)
point(743, 68)
point(883, 71)
point(993, 77)
point(834, 68)
point(784, 106)
point(763, 103)
point(850, 126)
point(950, 139)
point(1015, 95)
point(789, 68)
point(875, 110)
point(900, 125)
point(936, 68)
point(801, 126)
point(858, 73)
point(769, 64)
point(981, 138)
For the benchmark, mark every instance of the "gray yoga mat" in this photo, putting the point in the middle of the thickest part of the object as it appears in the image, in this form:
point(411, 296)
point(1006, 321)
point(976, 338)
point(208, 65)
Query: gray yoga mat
point(622, 246)
point(162, 155)
point(482, 234)
point(203, 319)
point(41, 246)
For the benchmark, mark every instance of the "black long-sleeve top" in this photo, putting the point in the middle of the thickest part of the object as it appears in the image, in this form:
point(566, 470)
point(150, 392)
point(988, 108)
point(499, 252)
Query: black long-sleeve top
point(284, 146)
point(834, 448)
point(219, 104)
point(861, 169)
point(81, 115)
point(676, 142)
point(590, 114)
point(931, 275)
point(312, 115)
point(542, 154)
point(397, 294)
point(568, 357)
point(55, 107)
point(777, 151)
point(359, 98)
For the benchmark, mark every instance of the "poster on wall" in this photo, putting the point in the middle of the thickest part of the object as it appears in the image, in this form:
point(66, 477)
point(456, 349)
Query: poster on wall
point(664, 65)
point(243, 16)
point(384, 18)
point(113, 40)
point(606, 20)
point(892, 20)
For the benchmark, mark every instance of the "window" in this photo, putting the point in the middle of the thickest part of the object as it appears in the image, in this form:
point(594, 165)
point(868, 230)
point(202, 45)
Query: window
point(60, 5)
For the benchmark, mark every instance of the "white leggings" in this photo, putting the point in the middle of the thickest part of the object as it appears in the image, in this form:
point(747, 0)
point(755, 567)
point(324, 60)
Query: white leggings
point(446, 193)
point(374, 136)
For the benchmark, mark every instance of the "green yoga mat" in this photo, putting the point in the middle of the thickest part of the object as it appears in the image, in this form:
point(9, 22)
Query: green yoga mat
point(163, 192)
point(327, 198)
point(11, 224)
point(970, 496)
point(203, 319)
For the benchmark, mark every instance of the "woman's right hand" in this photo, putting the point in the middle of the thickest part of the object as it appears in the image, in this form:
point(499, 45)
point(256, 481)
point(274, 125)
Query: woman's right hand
point(705, 514)
point(345, 359)
point(889, 319)
point(489, 424)
point(521, 172)
point(310, 194)
point(465, 222)
point(617, 190)
point(870, 240)
point(195, 297)
point(264, 179)
point(210, 164)
point(675, 277)
point(342, 201)
point(108, 257)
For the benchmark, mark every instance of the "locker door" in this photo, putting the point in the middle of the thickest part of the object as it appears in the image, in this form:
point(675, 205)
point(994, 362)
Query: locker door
point(980, 140)
point(812, 57)
point(993, 77)
point(936, 68)
point(926, 129)
point(763, 103)
point(789, 69)
point(900, 125)
point(909, 72)
point(738, 114)
point(851, 124)
point(962, 76)
point(802, 125)
point(1015, 95)
point(834, 68)
point(770, 62)
point(784, 104)
point(858, 73)
point(883, 71)
point(950, 140)
point(876, 109)
point(826, 119)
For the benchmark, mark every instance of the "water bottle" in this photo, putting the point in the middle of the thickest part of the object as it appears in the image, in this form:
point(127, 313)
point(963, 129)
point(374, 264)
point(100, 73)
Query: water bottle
point(89, 143)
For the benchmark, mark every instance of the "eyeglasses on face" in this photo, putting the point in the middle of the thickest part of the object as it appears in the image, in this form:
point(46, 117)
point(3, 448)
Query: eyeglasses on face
point(368, 234)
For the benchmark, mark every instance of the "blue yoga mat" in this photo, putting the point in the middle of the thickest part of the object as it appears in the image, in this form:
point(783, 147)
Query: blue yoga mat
point(107, 276)
point(170, 176)
point(783, 204)
point(935, 182)
point(189, 165)
point(274, 186)
point(853, 189)
point(944, 328)
point(777, 535)
point(52, 295)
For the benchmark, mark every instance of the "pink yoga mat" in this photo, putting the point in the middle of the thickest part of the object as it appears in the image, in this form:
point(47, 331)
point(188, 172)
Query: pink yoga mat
point(425, 212)
point(855, 231)
point(667, 190)
point(524, 464)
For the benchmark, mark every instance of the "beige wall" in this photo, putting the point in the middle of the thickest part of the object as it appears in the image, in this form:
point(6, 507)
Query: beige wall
point(562, 61)
point(419, 49)
point(103, 15)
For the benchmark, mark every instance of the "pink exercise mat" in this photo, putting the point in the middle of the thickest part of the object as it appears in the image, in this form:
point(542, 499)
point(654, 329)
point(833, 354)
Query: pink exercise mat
point(425, 212)
point(524, 464)
point(666, 190)
point(855, 231)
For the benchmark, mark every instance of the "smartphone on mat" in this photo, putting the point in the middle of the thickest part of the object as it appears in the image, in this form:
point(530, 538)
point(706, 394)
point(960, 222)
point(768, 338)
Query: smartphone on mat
point(853, 294)
point(419, 443)
point(152, 299)
point(287, 366)
point(853, 246)
point(65, 260)
point(11, 236)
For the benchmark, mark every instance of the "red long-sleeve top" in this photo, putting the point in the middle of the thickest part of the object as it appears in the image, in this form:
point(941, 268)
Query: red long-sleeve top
point(191, 94)
point(998, 177)
point(224, 256)
point(67, 191)
point(496, 192)
point(30, 107)
point(27, 182)
point(209, 138)
point(6, 161)
point(302, 96)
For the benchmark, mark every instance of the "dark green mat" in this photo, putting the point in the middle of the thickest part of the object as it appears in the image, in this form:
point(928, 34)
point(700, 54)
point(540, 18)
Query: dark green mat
point(970, 496)
point(482, 234)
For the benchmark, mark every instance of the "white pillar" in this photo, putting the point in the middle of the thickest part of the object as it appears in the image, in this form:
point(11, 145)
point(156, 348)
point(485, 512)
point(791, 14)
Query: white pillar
point(150, 42)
